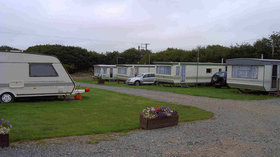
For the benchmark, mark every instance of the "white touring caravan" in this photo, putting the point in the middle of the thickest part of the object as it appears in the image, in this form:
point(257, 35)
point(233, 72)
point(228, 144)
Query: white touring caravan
point(29, 75)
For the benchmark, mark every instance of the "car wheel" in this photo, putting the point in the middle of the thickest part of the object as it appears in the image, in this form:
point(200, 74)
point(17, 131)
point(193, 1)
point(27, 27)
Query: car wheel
point(215, 78)
point(137, 83)
point(7, 98)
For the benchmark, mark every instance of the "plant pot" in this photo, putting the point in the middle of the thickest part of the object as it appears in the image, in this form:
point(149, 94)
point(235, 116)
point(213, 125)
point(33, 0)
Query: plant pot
point(4, 140)
point(78, 96)
point(101, 81)
point(158, 122)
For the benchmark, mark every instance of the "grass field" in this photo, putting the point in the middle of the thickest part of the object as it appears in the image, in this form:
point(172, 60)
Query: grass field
point(99, 111)
point(222, 93)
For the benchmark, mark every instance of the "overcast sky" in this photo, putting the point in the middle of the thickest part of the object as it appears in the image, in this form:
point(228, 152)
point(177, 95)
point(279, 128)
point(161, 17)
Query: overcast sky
point(118, 25)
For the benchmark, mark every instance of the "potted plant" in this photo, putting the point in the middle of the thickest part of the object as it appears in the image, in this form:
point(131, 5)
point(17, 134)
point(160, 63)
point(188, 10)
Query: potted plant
point(4, 133)
point(158, 117)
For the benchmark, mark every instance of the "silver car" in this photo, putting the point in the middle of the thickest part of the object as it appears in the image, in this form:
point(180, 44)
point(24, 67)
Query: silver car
point(145, 78)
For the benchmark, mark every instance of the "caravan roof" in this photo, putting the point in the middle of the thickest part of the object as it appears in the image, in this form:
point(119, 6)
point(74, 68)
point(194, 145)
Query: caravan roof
point(8, 57)
point(251, 61)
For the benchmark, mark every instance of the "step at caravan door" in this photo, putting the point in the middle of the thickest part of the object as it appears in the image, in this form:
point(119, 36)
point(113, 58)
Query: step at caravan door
point(183, 73)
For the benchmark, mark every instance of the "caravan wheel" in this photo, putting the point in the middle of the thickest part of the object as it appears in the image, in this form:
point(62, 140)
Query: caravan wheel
point(7, 98)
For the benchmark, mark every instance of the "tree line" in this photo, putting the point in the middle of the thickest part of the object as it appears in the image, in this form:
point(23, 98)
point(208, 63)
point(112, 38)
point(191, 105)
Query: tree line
point(79, 59)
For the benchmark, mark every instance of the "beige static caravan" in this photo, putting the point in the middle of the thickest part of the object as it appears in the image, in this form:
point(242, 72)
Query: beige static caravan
point(254, 74)
point(126, 71)
point(106, 72)
point(186, 72)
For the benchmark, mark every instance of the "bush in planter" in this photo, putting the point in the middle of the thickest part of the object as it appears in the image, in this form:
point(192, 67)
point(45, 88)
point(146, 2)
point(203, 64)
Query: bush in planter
point(4, 133)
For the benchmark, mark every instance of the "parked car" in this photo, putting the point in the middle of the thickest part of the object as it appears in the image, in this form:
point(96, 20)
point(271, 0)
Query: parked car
point(219, 79)
point(145, 78)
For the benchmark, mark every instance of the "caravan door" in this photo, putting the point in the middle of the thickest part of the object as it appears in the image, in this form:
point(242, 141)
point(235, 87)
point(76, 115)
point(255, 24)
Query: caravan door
point(183, 73)
point(111, 73)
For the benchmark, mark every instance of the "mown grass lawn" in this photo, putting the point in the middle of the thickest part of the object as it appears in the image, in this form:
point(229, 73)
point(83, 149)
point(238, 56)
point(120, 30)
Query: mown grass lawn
point(99, 111)
point(222, 93)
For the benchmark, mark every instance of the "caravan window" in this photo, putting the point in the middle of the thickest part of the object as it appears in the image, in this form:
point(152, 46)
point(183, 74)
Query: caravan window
point(42, 70)
point(164, 70)
point(97, 70)
point(208, 70)
point(177, 70)
point(122, 71)
point(104, 70)
point(250, 72)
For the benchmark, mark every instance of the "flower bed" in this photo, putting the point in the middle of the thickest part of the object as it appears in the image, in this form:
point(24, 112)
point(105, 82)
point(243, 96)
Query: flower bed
point(4, 133)
point(158, 117)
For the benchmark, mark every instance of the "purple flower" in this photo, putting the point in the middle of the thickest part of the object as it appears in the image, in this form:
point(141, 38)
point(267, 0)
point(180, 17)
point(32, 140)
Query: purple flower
point(168, 109)
point(0, 121)
point(8, 122)
point(160, 114)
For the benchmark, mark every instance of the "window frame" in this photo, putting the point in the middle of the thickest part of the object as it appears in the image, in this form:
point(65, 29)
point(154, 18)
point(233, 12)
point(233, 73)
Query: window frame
point(207, 72)
point(30, 75)
point(243, 66)
point(164, 66)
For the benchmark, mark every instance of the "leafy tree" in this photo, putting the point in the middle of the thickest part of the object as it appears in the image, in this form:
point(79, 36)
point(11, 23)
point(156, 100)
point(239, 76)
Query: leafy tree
point(7, 48)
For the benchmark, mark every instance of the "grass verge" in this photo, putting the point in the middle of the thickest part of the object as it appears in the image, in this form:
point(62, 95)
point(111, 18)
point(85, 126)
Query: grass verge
point(221, 93)
point(98, 112)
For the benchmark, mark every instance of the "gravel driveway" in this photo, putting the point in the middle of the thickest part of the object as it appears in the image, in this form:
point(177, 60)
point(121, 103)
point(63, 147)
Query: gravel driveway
point(240, 128)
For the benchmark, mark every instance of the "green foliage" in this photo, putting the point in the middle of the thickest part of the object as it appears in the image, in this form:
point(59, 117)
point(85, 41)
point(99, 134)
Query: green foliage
point(99, 111)
point(71, 56)
point(7, 48)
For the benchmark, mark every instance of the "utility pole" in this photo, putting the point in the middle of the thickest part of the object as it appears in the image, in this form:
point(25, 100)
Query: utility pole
point(272, 48)
point(139, 54)
point(146, 45)
point(197, 62)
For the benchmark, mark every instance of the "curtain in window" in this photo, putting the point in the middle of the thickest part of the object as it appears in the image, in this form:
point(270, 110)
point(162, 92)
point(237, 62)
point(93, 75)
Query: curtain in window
point(164, 70)
point(104, 70)
point(122, 71)
point(245, 72)
point(97, 70)
point(177, 71)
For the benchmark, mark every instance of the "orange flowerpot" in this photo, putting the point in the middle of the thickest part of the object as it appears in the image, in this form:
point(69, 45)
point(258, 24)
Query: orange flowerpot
point(78, 96)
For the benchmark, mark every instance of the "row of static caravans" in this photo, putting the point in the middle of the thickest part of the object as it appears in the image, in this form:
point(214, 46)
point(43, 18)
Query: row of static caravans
point(166, 72)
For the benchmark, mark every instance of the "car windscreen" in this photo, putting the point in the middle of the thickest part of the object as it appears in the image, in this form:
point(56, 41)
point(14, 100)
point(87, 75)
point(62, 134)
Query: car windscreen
point(140, 75)
point(221, 74)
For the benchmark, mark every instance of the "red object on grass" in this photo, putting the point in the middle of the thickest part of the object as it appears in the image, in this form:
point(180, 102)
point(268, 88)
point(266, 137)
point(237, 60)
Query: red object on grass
point(78, 96)
point(87, 89)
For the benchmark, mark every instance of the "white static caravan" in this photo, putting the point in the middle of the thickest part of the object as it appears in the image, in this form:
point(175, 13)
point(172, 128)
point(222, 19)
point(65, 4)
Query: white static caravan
point(28, 75)
point(106, 72)
point(126, 71)
point(186, 72)
point(254, 74)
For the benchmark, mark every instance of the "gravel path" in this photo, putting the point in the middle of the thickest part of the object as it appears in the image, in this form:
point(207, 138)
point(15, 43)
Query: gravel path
point(240, 128)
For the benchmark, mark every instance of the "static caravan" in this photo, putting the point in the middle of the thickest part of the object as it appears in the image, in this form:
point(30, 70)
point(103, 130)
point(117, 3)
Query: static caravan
point(106, 72)
point(254, 74)
point(126, 71)
point(186, 72)
point(28, 75)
